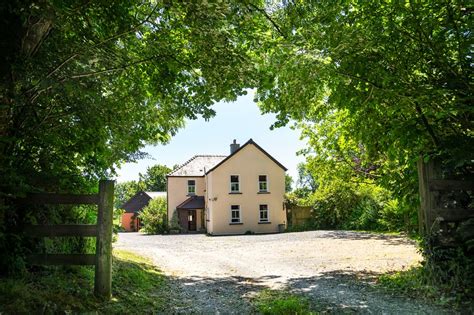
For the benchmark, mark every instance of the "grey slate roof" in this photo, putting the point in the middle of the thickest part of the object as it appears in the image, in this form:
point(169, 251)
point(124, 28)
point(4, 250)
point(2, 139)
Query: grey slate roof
point(156, 194)
point(197, 165)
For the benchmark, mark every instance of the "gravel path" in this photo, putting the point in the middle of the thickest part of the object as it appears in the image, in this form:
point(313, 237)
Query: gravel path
point(333, 268)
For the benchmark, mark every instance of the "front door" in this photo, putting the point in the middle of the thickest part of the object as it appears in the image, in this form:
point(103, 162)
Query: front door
point(192, 220)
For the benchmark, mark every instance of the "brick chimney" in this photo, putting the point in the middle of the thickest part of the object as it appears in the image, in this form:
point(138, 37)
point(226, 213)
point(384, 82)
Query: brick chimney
point(234, 146)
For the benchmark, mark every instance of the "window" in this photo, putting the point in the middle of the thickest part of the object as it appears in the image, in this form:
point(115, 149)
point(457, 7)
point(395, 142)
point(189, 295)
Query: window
point(234, 183)
point(235, 214)
point(263, 213)
point(262, 183)
point(191, 187)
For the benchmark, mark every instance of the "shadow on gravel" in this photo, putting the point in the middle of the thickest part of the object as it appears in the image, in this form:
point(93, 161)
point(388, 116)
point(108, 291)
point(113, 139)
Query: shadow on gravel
point(350, 292)
point(335, 292)
point(205, 295)
point(362, 236)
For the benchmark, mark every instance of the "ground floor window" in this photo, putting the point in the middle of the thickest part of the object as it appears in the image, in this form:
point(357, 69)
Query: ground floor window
point(235, 214)
point(263, 213)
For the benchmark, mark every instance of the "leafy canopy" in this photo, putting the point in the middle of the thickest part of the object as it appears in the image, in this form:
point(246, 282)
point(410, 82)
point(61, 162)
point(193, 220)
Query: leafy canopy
point(383, 82)
point(86, 84)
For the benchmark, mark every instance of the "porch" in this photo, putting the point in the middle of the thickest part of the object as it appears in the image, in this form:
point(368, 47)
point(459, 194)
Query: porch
point(191, 215)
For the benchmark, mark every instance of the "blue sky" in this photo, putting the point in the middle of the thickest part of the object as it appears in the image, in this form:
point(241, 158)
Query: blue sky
point(240, 120)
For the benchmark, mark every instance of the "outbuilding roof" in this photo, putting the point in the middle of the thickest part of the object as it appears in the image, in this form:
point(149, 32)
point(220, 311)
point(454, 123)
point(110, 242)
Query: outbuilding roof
point(140, 200)
point(198, 165)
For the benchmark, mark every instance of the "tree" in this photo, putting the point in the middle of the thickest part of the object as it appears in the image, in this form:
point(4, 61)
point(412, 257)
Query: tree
point(85, 85)
point(398, 73)
point(124, 191)
point(306, 179)
point(155, 178)
point(288, 183)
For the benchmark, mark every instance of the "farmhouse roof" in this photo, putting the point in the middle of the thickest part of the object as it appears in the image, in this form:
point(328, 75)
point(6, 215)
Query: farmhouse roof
point(156, 194)
point(197, 165)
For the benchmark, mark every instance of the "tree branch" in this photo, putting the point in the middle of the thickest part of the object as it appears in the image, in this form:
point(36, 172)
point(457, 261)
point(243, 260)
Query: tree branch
point(81, 51)
point(373, 84)
point(268, 17)
point(426, 124)
point(93, 73)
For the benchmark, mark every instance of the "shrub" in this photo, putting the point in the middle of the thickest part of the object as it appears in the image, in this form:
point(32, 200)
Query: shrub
point(345, 205)
point(333, 204)
point(174, 223)
point(398, 215)
point(153, 217)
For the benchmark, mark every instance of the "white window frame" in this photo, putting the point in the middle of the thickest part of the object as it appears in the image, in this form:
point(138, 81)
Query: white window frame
point(238, 183)
point(266, 182)
point(189, 186)
point(260, 213)
point(232, 212)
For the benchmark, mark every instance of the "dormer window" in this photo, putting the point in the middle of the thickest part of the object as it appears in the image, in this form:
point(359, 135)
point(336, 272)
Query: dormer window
point(191, 187)
point(262, 183)
point(234, 183)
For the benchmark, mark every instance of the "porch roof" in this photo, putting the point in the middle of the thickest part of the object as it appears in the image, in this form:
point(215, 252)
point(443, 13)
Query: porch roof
point(193, 202)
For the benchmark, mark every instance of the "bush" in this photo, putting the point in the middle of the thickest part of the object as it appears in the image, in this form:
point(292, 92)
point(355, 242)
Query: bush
point(333, 204)
point(345, 205)
point(153, 217)
point(174, 223)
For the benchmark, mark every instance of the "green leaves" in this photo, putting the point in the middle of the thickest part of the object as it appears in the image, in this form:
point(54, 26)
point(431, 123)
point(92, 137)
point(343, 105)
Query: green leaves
point(107, 79)
point(382, 83)
point(154, 216)
point(155, 178)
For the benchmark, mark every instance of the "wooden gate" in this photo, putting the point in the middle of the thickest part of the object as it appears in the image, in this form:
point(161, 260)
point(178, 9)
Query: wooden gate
point(102, 231)
point(299, 215)
point(445, 202)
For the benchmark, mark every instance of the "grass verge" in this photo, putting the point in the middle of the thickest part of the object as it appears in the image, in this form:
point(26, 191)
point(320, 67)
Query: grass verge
point(273, 302)
point(137, 287)
point(420, 283)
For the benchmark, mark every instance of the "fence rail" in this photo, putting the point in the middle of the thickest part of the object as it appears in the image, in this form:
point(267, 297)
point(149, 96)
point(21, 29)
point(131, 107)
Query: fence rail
point(102, 231)
point(62, 259)
point(61, 199)
point(84, 230)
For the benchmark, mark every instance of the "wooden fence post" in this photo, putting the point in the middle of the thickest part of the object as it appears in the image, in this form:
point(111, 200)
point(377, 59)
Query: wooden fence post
point(427, 172)
point(103, 270)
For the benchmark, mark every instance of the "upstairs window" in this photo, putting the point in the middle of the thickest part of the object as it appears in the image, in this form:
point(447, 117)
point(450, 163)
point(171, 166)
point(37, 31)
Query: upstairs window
point(263, 213)
point(235, 214)
point(262, 183)
point(191, 187)
point(234, 183)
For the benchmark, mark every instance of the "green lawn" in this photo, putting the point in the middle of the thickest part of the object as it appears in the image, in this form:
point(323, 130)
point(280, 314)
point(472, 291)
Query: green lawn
point(137, 287)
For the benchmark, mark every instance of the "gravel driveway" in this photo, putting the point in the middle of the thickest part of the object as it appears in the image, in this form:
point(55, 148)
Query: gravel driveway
point(333, 268)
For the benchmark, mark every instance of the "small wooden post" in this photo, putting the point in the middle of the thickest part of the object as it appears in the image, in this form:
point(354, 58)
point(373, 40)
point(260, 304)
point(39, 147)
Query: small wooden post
point(426, 216)
point(103, 268)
